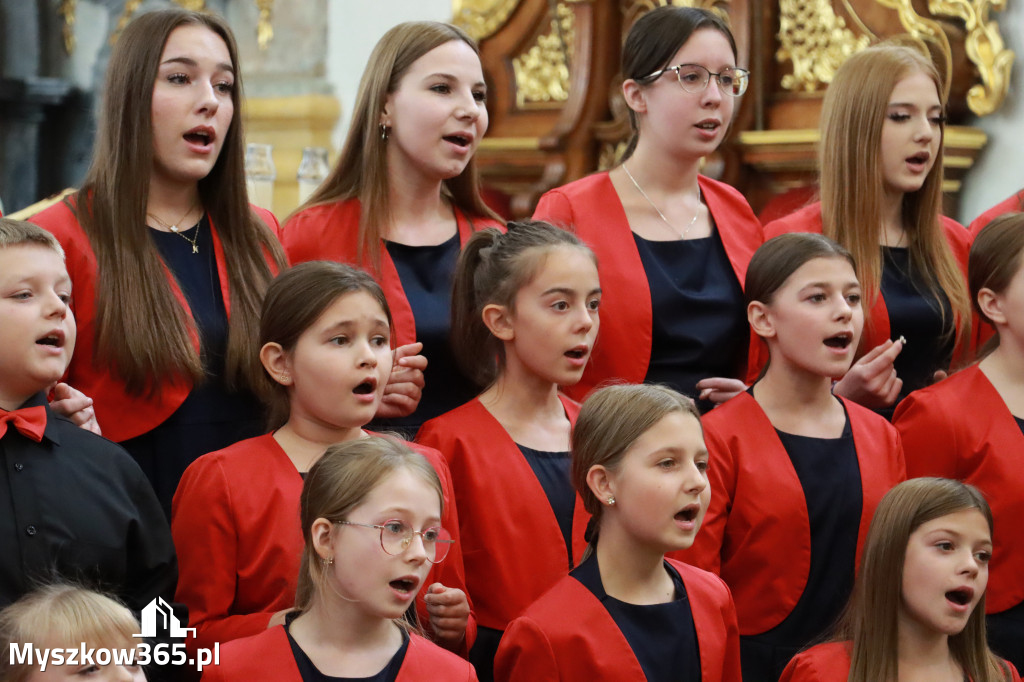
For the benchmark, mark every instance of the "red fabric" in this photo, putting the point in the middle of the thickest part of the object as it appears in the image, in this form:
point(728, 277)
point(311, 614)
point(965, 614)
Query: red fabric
point(545, 643)
point(808, 219)
point(1010, 205)
point(592, 207)
point(961, 428)
point(235, 523)
point(29, 421)
point(331, 232)
point(268, 656)
point(512, 545)
point(756, 533)
point(831, 663)
point(120, 415)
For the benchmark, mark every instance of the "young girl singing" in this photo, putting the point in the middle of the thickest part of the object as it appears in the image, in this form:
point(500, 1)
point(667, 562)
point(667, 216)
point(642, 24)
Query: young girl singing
point(371, 515)
point(797, 471)
point(525, 309)
point(640, 466)
point(916, 611)
point(325, 344)
point(969, 427)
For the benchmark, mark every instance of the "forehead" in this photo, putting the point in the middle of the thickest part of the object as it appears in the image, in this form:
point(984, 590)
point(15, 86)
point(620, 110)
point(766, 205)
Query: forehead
point(352, 305)
point(404, 488)
point(677, 430)
point(559, 262)
point(197, 42)
point(29, 260)
point(706, 46)
point(969, 523)
point(915, 88)
point(823, 268)
point(454, 57)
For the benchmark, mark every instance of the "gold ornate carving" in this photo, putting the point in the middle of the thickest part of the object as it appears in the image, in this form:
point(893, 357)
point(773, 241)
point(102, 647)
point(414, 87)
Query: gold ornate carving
point(542, 72)
point(264, 29)
point(482, 18)
point(815, 40)
point(130, 7)
point(923, 28)
point(67, 12)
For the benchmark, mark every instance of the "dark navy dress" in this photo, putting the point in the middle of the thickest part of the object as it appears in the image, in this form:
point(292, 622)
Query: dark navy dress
point(1006, 628)
point(699, 317)
point(662, 636)
point(915, 314)
point(829, 474)
point(212, 416)
point(426, 275)
point(552, 472)
point(310, 673)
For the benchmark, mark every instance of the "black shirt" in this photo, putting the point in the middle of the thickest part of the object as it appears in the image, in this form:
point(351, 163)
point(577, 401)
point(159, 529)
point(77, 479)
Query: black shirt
point(552, 472)
point(76, 507)
point(310, 673)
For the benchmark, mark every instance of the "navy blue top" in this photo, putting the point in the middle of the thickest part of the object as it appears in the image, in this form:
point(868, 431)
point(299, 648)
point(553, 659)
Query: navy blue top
point(662, 636)
point(212, 416)
point(310, 673)
point(1020, 423)
point(552, 472)
point(829, 474)
point(426, 275)
point(915, 314)
point(699, 317)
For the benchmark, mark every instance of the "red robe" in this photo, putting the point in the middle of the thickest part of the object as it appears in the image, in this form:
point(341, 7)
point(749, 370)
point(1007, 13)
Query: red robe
point(568, 636)
point(1012, 204)
point(831, 663)
point(961, 428)
point(236, 527)
point(268, 656)
point(512, 546)
point(120, 415)
point(808, 219)
point(331, 232)
point(756, 533)
point(592, 208)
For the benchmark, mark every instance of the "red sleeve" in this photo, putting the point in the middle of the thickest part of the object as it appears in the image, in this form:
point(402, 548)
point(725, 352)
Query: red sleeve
point(300, 237)
point(928, 434)
point(802, 669)
point(525, 654)
point(270, 220)
point(555, 208)
point(204, 530)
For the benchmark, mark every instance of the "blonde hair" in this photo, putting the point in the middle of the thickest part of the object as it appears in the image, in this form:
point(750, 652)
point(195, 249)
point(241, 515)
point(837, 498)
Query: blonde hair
point(362, 170)
point(19, 233)
point(63, 615)
point(871, 620)
point(610, 421)
point(849, 156)
point(338, 483)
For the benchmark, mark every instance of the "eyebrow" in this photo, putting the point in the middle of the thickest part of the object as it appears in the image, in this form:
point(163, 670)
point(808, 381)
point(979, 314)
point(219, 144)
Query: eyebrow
point(451, 77)
point(912, 105)
point(188, 61)
point(569, 292)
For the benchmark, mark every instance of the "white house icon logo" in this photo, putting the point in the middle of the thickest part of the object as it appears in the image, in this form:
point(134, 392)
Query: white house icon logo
point(159, 616)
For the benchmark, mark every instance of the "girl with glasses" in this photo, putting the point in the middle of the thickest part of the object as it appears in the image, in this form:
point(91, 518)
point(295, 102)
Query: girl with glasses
point(917, 609)
point(796, 472)
point(970, 426)
point(880, 166)
point(325, 335)
point(525, 315)
point(371, 519)
point(626, 613)
point(673, 244)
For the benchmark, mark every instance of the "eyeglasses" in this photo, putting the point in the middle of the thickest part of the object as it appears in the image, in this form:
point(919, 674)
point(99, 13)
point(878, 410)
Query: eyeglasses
point(396, 536)
point(694, 78)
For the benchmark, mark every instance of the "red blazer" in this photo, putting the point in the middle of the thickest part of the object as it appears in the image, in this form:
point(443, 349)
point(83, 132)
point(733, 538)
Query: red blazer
point(548, 644)
point(961, 428)
point(758, 509)
point(235, 522)
point(331, 232)
point(120, 415)
point(831, 663)
point(268, 656)
point(511, 542)
point(808, 219)
point(1014, 203)
point(592, 207)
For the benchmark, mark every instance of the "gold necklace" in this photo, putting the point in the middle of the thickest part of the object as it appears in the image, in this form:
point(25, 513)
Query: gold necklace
point(174, 228)
point(661, 215)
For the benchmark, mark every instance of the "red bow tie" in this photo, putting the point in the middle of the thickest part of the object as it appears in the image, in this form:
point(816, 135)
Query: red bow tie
point(30, 421)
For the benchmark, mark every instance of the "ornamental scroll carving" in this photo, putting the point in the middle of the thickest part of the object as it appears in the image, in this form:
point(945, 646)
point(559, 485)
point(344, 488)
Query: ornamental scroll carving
point(815, 40)
point(542, 72)
point(482, 18)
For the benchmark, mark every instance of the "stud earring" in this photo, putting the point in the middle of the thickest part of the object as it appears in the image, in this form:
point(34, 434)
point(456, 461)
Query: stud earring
point(611, 500)
point(285, 378)
point(384, 130)
point(328, 561)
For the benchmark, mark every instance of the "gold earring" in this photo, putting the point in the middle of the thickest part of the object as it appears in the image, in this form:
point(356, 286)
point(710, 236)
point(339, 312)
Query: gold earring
point(384, 130)
point(611, 500)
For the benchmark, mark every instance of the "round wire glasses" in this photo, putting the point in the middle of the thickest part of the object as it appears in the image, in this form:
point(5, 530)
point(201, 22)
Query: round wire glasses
point(694, 78)
point(396, 536)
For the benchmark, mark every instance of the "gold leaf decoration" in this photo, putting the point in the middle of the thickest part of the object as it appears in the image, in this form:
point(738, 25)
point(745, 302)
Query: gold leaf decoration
point(482, 18)
point(815, 40)
point(542, 72)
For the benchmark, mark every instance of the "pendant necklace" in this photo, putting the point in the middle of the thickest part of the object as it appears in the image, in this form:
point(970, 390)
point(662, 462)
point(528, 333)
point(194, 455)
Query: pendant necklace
point(174, 228)
point(661, 215)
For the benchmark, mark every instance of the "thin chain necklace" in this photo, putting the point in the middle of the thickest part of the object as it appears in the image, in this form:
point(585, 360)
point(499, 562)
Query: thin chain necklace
point(693, 221)
point(176, 230)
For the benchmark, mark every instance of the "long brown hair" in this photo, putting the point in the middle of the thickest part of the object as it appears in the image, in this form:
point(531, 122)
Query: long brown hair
point(142, 331)
point(362, 171)
point(295, 300)
point(871, 620)
point(995, 259)
point(849, 156)
point(338, 483)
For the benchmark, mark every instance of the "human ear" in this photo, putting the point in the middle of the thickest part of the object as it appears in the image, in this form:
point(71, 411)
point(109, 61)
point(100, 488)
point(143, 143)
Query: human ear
point(498, 320)
point(760, 320)
point(633, 94)
point(599, 482)
point(991, 304)
point(320, 534)
point(277, 362)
